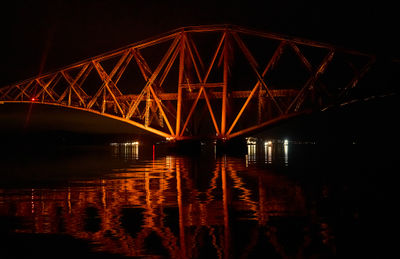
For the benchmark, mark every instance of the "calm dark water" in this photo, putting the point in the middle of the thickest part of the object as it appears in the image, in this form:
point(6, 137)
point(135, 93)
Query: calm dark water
point(280, 200)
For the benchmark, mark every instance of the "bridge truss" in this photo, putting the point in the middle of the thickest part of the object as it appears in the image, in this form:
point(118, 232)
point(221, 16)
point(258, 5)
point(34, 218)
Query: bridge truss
point(215, 81)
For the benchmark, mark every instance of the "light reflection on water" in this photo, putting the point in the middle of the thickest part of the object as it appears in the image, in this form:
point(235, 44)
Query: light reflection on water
point(224, 206)
point(129, 151)
point(269, 151)
point(286, 153)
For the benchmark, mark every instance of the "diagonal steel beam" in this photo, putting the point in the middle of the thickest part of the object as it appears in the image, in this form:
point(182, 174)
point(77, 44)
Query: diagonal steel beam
point(211, 112)
point(303, 59)
point(45, 87)
point(266, 123)
point(107, 82)
point(214, 57)
point(147, 72)
point(167, 69)
point(311, 81)
point(123, 67)
point(253, 65)
point(306, 62)
point(272, 61)
point(189, 50)
point(158, 102)
point(73, 83)
point(152, 78)
point(191, 111)
point(142, 64)
point(196, 51)
point(358, 75)
point(23, 90)
point(73, 86)
point(6, 90)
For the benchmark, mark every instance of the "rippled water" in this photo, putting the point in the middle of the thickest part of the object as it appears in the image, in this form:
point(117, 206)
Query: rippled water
point(280, 200)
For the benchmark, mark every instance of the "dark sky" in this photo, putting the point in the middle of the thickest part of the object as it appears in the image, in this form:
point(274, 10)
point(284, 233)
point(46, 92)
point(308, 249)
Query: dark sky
point(38, 36)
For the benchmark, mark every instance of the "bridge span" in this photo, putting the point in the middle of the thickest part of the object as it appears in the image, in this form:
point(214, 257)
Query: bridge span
point(219, 81)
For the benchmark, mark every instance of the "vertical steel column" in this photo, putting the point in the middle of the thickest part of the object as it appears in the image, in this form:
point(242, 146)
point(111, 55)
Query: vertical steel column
point(103, 104)
point(147, 111)
point(69, 95)
point(160, 119)
point(179, 101)
point(260, 105)
point(225, 87)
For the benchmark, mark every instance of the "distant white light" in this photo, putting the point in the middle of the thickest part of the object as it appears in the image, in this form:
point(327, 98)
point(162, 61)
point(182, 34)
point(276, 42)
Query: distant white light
point(286, 152)
point(268, 143)
point(131, 143)
point(135, 143)
point(286, 142)
point(251, 141)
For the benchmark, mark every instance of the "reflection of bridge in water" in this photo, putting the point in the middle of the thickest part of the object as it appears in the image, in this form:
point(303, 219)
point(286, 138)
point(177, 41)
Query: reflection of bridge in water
point(160, 201)
point(215, 81)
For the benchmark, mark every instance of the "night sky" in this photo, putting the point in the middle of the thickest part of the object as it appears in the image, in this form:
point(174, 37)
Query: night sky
point(39, 36)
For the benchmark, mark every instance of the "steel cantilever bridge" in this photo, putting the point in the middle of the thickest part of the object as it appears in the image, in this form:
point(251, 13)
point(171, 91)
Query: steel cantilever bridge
point(219, 81)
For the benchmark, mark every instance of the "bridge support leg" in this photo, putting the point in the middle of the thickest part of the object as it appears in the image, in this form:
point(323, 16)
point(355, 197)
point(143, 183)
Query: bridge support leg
point(178, 112)
point(179, 101)
point(225, 89)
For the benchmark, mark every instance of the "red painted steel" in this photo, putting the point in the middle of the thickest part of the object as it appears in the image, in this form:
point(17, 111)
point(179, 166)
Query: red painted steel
point(182, 105)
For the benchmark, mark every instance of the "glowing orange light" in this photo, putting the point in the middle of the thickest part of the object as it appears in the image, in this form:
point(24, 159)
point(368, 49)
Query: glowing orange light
point(33, 99)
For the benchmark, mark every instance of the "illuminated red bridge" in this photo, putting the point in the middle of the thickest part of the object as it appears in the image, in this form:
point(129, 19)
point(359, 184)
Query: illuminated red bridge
point(218, 81)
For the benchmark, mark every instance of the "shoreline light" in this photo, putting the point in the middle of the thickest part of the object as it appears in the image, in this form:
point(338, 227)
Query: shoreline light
point(268, 143)
point(135, 143)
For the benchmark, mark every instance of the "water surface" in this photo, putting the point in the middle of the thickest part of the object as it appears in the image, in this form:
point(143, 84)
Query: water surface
point(282, 199)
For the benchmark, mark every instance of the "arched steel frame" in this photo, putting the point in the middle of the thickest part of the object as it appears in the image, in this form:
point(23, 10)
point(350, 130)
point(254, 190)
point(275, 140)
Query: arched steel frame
point(153, 101)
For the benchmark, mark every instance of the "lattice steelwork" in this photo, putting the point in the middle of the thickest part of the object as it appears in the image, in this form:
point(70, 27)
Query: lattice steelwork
point(165, 86)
